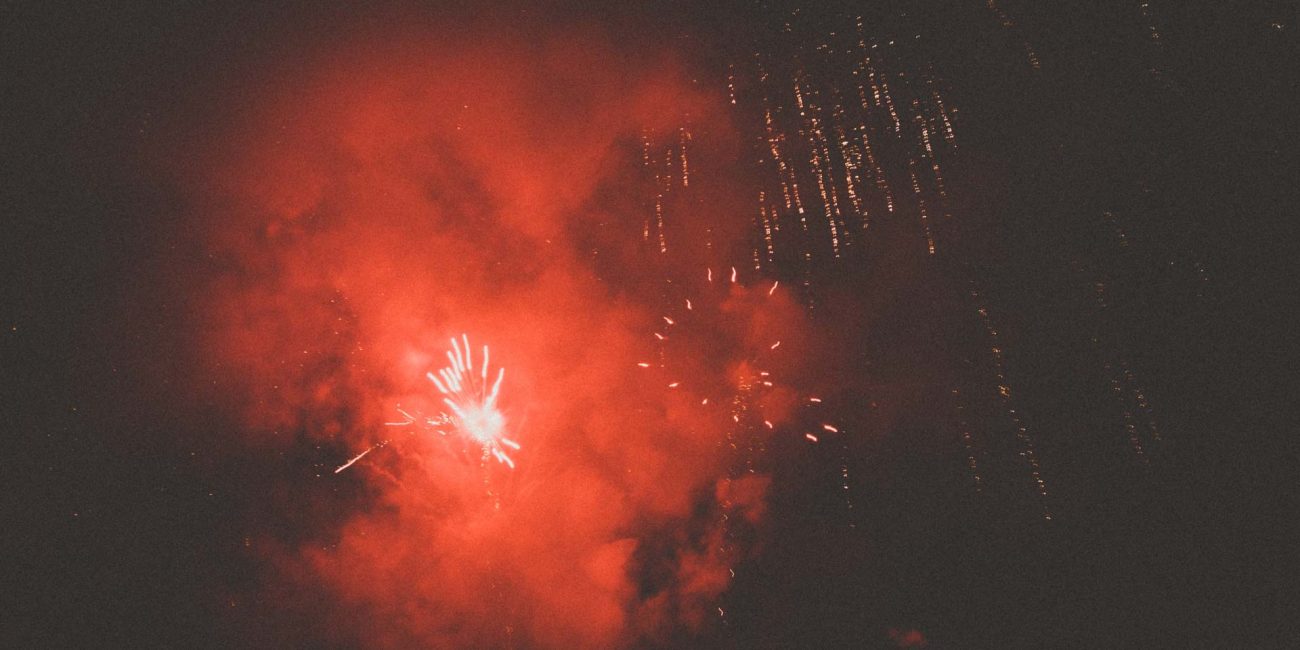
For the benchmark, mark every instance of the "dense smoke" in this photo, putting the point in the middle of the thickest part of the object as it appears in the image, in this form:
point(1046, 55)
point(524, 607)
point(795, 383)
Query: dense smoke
point(362, 205)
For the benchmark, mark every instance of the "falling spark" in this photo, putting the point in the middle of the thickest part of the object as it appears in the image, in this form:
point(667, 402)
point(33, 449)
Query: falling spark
point(686, 167)
point(969, 442)
point(1010, 25)
point(354, 459)
point(1028, 449)
point(731, 83)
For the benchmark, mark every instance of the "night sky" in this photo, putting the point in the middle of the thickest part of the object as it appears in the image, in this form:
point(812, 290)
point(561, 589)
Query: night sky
point(1033, 385)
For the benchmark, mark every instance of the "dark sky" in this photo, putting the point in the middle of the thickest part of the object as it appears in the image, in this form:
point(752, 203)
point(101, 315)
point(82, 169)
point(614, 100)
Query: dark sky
point(131, 509)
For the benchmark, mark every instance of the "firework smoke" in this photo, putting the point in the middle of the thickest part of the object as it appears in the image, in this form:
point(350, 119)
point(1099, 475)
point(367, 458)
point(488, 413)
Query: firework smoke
point(356, 213)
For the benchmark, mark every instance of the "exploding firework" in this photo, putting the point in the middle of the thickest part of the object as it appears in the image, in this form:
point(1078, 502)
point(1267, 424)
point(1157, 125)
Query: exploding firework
point(474, 413)
point(471, 401)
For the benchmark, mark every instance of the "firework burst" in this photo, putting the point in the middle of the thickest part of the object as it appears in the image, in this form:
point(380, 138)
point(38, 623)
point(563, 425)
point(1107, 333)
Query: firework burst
point(470, 397)
point(473, 402)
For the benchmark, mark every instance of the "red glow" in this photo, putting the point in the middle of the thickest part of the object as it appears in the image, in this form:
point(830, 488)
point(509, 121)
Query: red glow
point(395, 195)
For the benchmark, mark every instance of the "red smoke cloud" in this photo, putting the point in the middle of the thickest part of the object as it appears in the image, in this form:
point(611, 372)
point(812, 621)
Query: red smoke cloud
point(388, 195)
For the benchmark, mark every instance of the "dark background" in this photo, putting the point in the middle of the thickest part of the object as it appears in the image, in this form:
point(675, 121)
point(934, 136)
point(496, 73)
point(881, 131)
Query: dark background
point(121, 533)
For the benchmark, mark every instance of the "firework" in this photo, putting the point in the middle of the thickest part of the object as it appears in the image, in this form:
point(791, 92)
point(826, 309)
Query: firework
point(471, 401)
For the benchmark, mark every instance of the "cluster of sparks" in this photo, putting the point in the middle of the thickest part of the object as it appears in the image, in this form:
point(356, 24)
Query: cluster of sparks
point(831, 123)
point(473, 405)
point(746, 384)
point(851, 129)
point(470, 396)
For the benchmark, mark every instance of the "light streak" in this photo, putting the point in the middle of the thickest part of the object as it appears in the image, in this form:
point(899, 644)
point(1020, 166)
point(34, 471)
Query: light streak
point(354, 459)
point(1028, 449)
point(1010, 25)
point(968, 441)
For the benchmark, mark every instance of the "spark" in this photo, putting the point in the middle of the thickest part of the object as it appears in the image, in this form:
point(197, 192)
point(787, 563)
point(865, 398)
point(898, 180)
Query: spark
point(768, 226)
point(731, 83)
point(1028, 449)
point(810, 437)
point(969, 442)
point(686, 167)
point(1010, 25)
point(354, 459)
